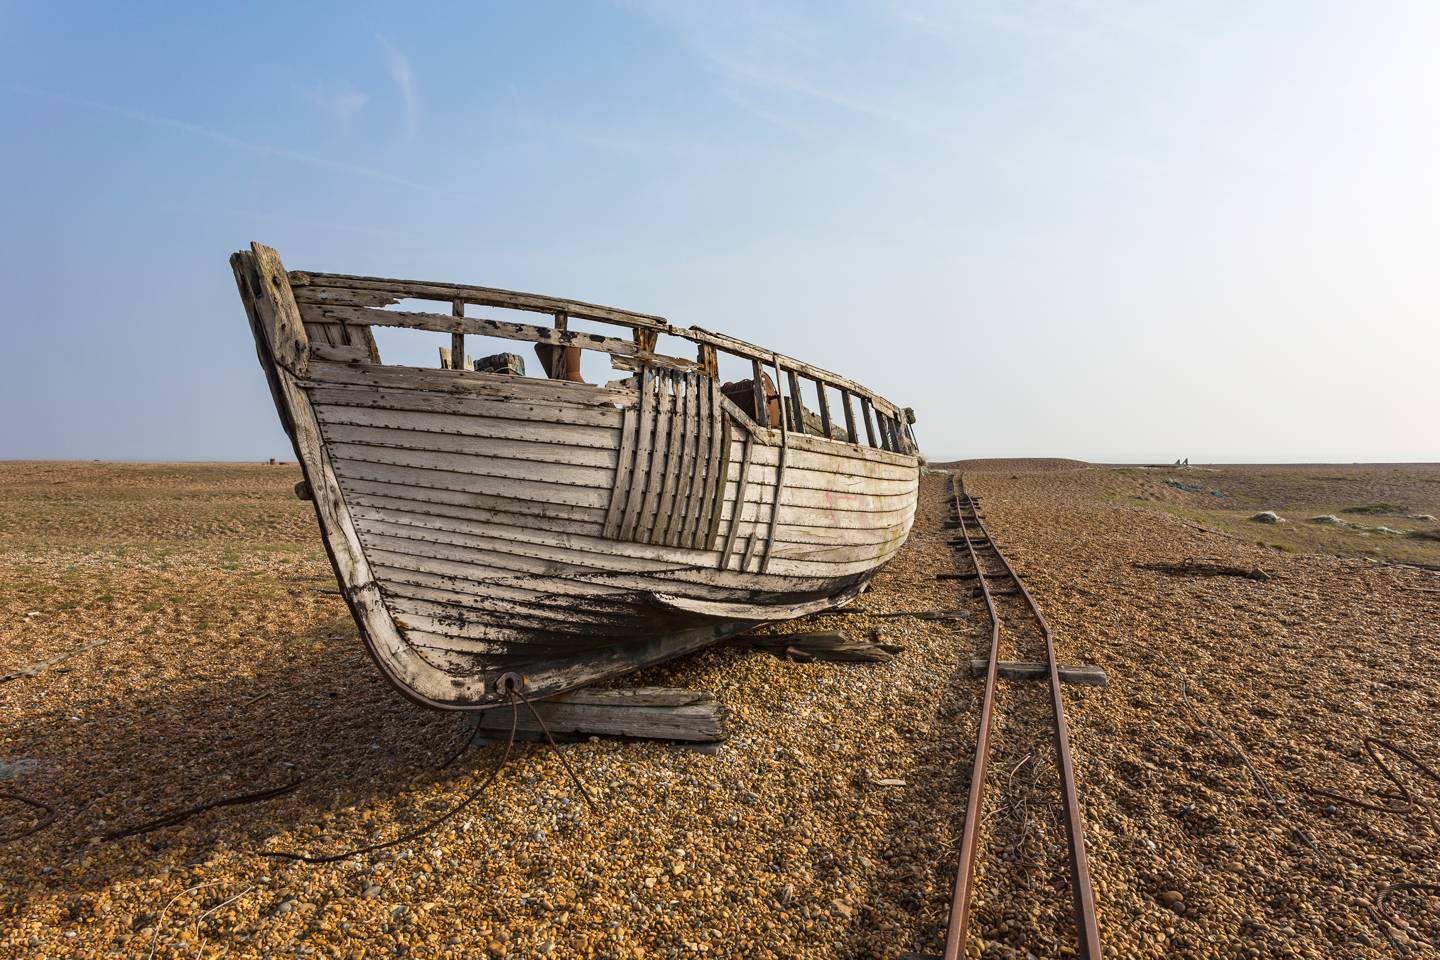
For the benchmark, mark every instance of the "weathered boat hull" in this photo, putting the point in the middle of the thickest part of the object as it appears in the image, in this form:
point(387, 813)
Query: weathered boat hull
point(486, 524)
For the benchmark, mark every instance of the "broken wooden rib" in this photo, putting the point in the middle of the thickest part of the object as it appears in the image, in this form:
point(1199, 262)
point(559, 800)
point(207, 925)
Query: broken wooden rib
point(485, 524)
point(827, 645)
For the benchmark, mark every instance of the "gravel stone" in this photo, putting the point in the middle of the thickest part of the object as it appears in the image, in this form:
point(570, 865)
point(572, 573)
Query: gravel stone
point(230, 655)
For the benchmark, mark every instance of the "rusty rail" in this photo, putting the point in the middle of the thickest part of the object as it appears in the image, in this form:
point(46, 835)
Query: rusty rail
point(1082, 893)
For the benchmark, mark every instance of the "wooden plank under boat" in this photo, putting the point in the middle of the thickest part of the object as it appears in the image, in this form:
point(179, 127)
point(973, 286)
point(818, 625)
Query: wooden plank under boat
point(487, 525)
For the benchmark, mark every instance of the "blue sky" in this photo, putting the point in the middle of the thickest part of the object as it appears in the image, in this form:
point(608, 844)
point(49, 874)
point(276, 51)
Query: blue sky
point(1115, 231)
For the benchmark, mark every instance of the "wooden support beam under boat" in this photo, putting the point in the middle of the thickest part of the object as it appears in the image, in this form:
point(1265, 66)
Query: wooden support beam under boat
point(649, 713)
point(827, 645)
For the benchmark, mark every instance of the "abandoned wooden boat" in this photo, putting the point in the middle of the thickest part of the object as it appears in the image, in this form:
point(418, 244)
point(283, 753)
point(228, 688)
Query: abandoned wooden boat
point(490, 529)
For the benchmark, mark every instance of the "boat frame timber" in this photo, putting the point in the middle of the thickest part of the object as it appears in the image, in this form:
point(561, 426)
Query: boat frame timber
point(669, 540)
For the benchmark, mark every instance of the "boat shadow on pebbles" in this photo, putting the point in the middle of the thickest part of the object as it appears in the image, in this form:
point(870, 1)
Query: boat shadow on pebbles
point(363, 764)
point(319, 713)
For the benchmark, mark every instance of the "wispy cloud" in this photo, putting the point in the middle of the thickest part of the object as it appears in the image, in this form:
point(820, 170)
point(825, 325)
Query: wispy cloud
point(239, 143)
point(785, 50)
point(404, 77)
point(342, 103)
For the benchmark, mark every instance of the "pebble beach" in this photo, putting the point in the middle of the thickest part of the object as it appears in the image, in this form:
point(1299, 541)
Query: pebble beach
point(824, 826)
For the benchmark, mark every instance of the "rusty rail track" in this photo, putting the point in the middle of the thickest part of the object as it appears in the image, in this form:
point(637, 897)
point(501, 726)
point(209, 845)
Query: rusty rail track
point(994, 566)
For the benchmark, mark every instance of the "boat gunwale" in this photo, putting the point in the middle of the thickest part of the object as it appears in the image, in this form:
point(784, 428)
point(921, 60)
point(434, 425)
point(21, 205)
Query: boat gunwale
point(646, 327)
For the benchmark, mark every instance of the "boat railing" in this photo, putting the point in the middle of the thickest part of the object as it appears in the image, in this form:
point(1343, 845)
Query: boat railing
point(330, 299)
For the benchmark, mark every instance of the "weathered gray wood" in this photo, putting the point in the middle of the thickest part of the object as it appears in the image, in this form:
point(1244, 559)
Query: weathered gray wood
point(819, 478)
point(865, 455)
point(339, 354)
point(857, 535)
point(650, 713)
point(460, 480)
point(40, 666)
point(538, 434)
point(780, 471)
point(812, 453)
point(848, 554)
point(261, 301)
point(483, 502)
point(535, 516)
point(659, 452)
point(474, 411)
point(625, 466)
point(457, 339)
point(797, 403)
point(751, 352)
point(459, 325)
point(578, 551)
point(739, 503)
point(479, 557)
point(442, 488)
point(869, 426)
point(750, 543)
point(824, 407)
point(794, 495)
point(715, 486)
point(713, 438)
point(674, 454)
point(657, 360)
point(339, 291)
point(812, 522)
point(308, 281)
point(639, 477)
point(538, 608)
point(682, 519)
point(465, 383)
point(509, 449)
point(887, 432)
point(850, 434)
point(555, 474)
point(267, 292)
point(342, 296)
point(692, 529)
point(828, 645)
point(757, 388)
point(406, 568)
point(741, 610)
point(1089, 676)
